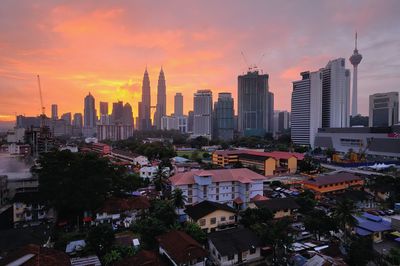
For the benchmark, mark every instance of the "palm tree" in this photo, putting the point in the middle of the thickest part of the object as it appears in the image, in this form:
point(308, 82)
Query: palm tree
point(160, 179)
point(178, 199)
point(344, 215)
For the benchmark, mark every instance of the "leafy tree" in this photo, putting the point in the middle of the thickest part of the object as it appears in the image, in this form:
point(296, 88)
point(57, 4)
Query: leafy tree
point(306, 201)
point(318, 223)
point(164, 211)
point(128, 183)
point(206, 155)
point(251, 217)
point(277, 235)
point(73, 182)
point(178, 199)
point(344, 216)
point(394, 256)
point(117, 253)
point(195, 156)
point(330, 152)
point(199, 142)
point(360, 252)
point(100, 239)
point(301, 149)
point(195, 231)
point(149, 228)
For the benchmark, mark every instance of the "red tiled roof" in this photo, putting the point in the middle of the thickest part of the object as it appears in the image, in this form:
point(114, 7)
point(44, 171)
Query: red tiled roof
point(332, 179)
point(242, 175)
point(274, 154)
point(181, 247)
point(118, 205)
point(40, 256)
point(238, 201)
point(258, 197)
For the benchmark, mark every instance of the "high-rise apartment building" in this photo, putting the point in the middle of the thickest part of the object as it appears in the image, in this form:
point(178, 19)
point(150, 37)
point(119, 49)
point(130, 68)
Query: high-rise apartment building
point(306, 115)
point(335, 94)
point(103, 108)
point(190, 121)
point(254, 104)
point(383, 109)
point(78, 121)
point(281, 121)
point(202, 114)
point(89, 128)
point(117, 112)
point(144, 106)
point(223, 116)
point(127, 116)
point(67, 117)
point(54, 111)
point(178, 104)
point(161, 107)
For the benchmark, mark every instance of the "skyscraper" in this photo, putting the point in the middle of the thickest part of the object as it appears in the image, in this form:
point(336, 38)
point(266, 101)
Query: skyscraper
point(254, 104)
point(355, 60)
point(202, 114)
point(306, 116)
point(145, 104)
point(161, 100)
point(127, 117)
point(67, 117)
point(78, 121)
point(223, 110)
point(335, 94)
point(103, 108)
point(190, 121)
point(54, 111)
point(383, 109)
point(178, 104)
point(89, 115)
point(117, 112)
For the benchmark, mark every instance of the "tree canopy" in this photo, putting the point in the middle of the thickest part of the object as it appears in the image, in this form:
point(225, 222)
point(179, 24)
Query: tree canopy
point(74, 182)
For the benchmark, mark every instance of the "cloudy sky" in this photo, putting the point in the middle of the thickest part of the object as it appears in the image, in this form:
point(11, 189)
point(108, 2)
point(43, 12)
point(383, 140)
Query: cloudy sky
point(104, 46)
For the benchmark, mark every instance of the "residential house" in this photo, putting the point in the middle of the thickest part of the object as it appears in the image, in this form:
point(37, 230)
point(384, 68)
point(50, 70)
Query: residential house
point(149, 172)
point(280, 207)
point(32, 255)
point(28, 209)
point(141, 161)
point(372, 226)
point(232, 186)
point(211, 216)
point(123, 211)
point(234, 246)
point(181, 249)
point(335, 183)
point(100, 148)
point(269, 163)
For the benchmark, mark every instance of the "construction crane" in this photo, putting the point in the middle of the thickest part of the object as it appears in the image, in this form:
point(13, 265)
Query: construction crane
point(43, 109)
point(253, 66)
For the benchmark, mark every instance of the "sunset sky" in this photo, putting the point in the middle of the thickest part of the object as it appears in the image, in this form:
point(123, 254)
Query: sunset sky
point(103, 47)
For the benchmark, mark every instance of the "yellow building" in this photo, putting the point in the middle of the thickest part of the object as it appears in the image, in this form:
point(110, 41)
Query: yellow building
point(270, 163)
point(211, 216)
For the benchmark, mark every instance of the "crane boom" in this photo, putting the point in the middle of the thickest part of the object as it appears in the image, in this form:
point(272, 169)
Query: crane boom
point(41, 98)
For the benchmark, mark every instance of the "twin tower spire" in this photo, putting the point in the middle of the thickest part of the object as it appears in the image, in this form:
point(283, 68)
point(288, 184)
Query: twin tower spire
point(144, 118)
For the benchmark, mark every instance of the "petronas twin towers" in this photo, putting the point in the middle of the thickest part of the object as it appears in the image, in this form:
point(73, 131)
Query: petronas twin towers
point(144, 121)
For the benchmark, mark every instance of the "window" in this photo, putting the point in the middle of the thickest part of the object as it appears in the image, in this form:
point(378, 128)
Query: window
point(189, 200)
point(213, 220)
point(202, 222)
point(223, 219)
point(217, 197)
point(232, 217)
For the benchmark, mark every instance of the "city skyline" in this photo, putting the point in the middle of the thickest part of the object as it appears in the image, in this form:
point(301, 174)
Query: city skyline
point(77, 48)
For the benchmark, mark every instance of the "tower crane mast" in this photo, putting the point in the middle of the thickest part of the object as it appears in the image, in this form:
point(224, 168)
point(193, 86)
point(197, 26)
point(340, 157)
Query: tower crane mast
point(43, 109)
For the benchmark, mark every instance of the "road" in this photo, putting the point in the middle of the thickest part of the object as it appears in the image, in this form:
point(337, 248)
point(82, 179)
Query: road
point(351, 170)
